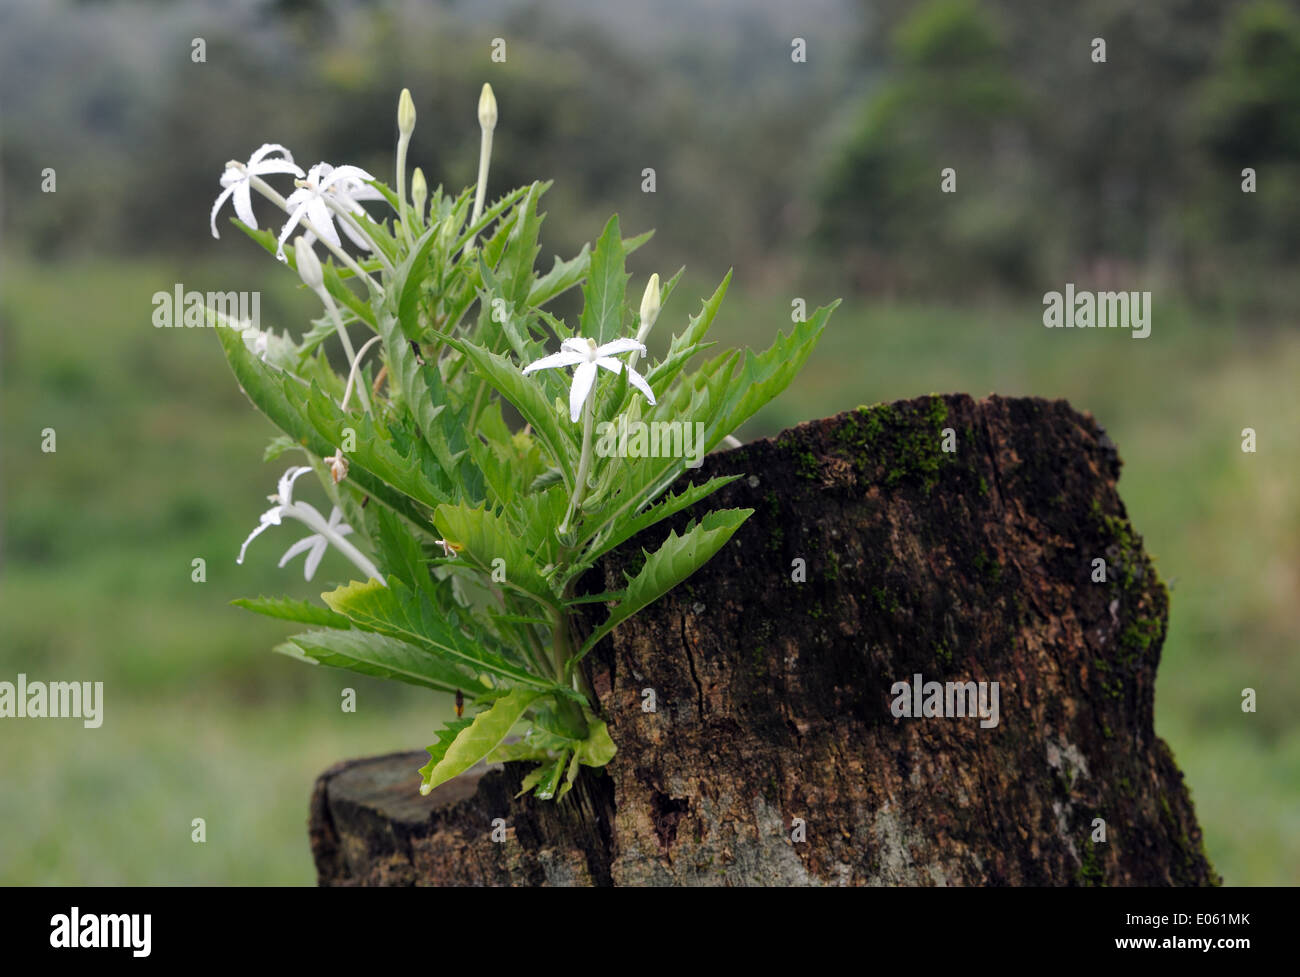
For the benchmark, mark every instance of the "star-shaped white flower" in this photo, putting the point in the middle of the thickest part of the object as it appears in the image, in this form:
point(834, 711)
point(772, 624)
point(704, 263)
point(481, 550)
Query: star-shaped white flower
point(316, 544)
point(587, 356)
point(324, 183)
point(237, 178)
point(326, 531)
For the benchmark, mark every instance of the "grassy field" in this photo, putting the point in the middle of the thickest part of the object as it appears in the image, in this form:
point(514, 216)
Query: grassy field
point(159, 462)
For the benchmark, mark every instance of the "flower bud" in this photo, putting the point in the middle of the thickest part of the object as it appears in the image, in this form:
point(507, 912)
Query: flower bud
point(649, 308)
point(308, 264)
point(487, 108)
point(419, 192)
point(405, 113)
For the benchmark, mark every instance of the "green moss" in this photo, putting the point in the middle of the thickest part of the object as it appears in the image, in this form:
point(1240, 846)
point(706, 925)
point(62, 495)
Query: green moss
point(884, 600)
point(984, 486)
point(776, 538)
point(884, 433)
point(988, 567)
point(1090, 871)
point(943, 653)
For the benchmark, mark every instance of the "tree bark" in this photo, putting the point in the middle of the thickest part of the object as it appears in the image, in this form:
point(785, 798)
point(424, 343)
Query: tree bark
point(774, 755)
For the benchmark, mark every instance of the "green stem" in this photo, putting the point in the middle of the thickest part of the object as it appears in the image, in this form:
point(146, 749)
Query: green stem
point(584, 463)
point(403, 140)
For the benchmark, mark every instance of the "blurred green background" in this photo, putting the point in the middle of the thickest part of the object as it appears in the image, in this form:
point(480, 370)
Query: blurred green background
point(815, 179)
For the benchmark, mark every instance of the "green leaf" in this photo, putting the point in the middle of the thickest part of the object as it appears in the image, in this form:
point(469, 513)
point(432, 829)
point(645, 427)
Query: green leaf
point(605, 293)
point(384, 657)
point(765, 375)
point(569, 778)
point(479, 738)
point(527, 397)
point(545, 778)
point(566, 274)
point(666, 567)
point(597, 749)
point(624, 529)
point(265, 387)
point(399, 612)
point(445, 737)
point(410, 295)
point(293, 610)
point(485, 538)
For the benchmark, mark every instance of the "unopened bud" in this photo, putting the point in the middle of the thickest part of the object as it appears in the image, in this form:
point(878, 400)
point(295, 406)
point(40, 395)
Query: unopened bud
point(308, 264)
point(405, 113)
point(649, 308)
point(419, 192)
point(487, 108)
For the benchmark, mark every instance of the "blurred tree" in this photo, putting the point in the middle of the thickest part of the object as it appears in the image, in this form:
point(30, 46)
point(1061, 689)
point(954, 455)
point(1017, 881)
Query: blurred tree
point(949, 103)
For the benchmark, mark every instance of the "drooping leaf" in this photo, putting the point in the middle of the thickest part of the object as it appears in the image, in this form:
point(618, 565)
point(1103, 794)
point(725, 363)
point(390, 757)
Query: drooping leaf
point(293, 610)
point(384, 657)
point(666, 567)
point(397, 611)
point(480, 737)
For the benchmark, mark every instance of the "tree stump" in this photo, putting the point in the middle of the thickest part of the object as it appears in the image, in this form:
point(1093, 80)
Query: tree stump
point(941, 537)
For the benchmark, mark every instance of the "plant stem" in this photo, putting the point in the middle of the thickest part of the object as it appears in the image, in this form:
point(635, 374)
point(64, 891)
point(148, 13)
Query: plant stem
point(333, 311)
point(584, 463)
point(403, 140)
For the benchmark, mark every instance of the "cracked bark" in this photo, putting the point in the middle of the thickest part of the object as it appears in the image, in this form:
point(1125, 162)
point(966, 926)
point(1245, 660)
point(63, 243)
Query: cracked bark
point(773, 698)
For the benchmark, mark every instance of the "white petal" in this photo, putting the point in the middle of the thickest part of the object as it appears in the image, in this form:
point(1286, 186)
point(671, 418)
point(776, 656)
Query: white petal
point(555, 360)
point(584, 377)
point(357, 237)
point(285, 488)
point(638, 381)
point(244, 205)
point(268, 147)
point(275, 166)
point(620, 346)
point(319, 215)
point(289, 225)
point(318, 173)
point(271, 517)
point(306, 543)
point(314, 558)
point(340, 173)
point(577, 346)
point(217, 206)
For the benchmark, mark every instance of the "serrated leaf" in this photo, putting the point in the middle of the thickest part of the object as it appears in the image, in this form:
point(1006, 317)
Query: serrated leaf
point(569, 778)
point(485, 537)
point(626, 528)
point(266, 389)
point(544, 779)
point(399, 612)
point(445, 737)
point(383, 657)
point(605, 292)
point(766, 374)
point(480, 737)
point(666, 567)
point(293, 610)
point(527, 397)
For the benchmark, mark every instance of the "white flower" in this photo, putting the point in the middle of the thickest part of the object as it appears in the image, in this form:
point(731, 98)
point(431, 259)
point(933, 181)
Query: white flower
point(586, 355)
point(342, 184)
point(315, 545)
point(326, 531)
point(237, 178)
